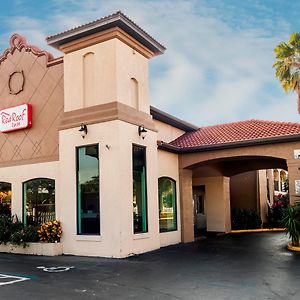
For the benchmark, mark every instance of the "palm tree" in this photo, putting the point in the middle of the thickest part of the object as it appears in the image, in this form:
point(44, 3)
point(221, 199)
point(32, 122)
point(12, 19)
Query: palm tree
point(291, 221)
point(287, 64)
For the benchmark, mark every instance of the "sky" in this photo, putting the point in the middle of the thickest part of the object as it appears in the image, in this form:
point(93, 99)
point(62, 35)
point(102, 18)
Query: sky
point(218, 64)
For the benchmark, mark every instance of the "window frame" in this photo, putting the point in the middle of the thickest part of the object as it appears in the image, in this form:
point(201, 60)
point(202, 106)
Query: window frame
point(77, 190)
point(8, 183)
point(144, 209)
point(24, 215)
point(175, 204)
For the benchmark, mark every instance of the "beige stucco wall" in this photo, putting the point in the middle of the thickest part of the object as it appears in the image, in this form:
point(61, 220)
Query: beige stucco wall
point(116, 207)
point(168, 166)
point(16, 175)
point(186, 205)
point(166, 132)
point(131, 64)
point(115, 64)
point(217, 202)
point(105, 83)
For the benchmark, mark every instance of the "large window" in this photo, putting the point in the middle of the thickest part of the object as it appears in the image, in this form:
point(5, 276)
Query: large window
point(39, 201)
point(5, 198)
point(167, 204)
point(140, 223)
point(88, 204)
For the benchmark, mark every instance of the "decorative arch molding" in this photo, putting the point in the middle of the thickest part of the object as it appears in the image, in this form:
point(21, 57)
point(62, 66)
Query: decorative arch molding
point(230, 166)
point(18, 42)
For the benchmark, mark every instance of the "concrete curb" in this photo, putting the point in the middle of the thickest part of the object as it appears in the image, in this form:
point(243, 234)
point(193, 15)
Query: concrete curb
point(293, 248)
point(258, 230)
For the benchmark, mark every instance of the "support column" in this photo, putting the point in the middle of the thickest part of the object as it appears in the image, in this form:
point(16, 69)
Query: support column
point(262, 194)
point(270, 176)
point(294, 174)
point(186, 205)
point(217, 204)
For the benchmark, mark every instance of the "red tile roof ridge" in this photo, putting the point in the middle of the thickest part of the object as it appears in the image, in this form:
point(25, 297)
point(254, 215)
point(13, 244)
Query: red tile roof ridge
point(252, 120)
point(235, 132)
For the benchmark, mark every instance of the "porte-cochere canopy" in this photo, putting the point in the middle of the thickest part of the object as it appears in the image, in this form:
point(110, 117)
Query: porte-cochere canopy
point(211, 155)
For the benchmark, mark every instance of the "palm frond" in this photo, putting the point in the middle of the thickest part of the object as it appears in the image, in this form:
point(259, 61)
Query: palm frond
point(287, 63)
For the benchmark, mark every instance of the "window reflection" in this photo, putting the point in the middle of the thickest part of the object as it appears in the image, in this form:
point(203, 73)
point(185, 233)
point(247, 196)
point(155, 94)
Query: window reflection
point(140, 223)
point(5, 198)
point(39, 201)
point(167, 204)
point(88, 206)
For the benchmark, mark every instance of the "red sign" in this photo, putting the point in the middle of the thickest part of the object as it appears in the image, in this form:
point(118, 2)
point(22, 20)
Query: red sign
point(15, 118)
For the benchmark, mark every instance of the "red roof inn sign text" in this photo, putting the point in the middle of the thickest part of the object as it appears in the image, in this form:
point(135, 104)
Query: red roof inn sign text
point(15, 118)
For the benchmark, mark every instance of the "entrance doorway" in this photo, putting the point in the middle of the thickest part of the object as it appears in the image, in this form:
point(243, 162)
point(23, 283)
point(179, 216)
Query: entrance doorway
point(199, 210)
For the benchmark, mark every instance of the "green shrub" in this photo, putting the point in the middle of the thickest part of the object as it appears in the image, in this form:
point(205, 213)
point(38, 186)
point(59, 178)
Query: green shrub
point(245, 219)
point(26, 235)
point(13, 231)
point(8, 226)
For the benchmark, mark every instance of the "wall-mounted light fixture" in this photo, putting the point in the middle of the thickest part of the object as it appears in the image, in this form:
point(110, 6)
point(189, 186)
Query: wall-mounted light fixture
point(83, 130)
point(142, 131)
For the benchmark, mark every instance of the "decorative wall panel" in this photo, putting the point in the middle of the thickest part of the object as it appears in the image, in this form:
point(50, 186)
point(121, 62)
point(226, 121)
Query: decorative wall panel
point(43, 89)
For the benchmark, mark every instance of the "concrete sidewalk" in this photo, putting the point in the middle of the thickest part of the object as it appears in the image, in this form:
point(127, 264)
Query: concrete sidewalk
point(237, 266)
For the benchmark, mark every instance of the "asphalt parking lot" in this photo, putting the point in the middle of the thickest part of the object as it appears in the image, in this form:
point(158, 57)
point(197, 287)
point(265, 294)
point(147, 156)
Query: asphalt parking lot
point(236, 266)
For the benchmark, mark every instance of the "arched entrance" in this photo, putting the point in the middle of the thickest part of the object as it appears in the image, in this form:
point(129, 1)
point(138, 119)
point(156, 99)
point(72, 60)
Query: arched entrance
point(212, 171)
point(236, 180)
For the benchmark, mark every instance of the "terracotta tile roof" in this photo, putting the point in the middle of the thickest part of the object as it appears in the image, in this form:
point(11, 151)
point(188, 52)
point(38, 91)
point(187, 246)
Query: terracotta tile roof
point(250, 130)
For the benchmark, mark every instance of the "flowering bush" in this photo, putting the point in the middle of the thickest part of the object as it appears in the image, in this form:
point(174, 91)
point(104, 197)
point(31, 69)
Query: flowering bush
point(50, 232)
point(276, 210)
point(8, 226)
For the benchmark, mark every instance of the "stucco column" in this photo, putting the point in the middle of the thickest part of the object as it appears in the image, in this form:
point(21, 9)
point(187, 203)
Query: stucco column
point(270, 176)
point(217, 204)
point(263, 195)
point(294, 174)
point(186, 205)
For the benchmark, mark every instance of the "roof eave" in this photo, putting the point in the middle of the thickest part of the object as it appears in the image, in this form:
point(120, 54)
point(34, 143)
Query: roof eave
point(116, 20)
point(231, 145)
point(164, 117)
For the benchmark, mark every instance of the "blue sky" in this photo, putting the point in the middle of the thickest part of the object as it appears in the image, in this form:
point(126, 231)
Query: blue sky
point(218, 63)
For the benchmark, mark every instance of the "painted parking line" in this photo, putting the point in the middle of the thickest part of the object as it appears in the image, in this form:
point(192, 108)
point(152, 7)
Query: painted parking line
point(56, 269)
point(6, 279)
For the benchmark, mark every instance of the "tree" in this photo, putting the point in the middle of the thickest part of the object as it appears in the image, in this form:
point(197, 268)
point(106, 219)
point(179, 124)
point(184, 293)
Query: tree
point(287, 64)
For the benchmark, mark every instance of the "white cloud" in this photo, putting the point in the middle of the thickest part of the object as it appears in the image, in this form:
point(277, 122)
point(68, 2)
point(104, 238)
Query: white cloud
point(214, 70)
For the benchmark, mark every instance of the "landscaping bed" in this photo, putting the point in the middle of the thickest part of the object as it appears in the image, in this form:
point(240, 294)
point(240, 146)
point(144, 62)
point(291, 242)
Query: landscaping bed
point(47, 249)
point(15, 237)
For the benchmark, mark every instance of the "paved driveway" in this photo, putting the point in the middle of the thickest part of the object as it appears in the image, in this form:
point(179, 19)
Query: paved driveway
point(238, 266)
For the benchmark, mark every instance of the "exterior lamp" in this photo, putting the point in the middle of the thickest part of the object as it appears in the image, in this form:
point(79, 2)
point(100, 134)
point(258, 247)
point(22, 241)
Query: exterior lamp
point(142, 131)
point(83, 130)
